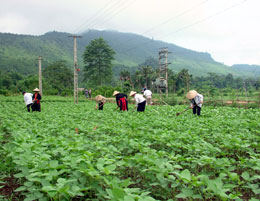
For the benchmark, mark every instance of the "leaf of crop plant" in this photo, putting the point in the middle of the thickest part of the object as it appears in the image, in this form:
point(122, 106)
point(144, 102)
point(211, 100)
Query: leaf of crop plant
point(185, 174)
point(30, 198)
point(21, 188)
point(256, 191)
point(118, 193)
point(128, 198)
point(54, 164)
point(246, 176)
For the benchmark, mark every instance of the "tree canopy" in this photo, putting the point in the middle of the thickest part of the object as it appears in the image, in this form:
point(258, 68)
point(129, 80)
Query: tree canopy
point(98, 58)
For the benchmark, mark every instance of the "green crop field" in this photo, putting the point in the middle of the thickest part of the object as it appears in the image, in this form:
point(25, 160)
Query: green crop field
point(74, 152)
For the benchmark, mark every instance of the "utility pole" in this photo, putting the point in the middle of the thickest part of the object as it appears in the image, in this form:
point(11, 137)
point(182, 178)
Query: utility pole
point(40, 74)
point(163, 66)
point(244, 86)
point(76, 69)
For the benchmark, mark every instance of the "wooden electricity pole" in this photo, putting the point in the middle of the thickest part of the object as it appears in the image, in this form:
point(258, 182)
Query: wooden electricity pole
point(75, 69)
point(163, 65)
point(40, 74)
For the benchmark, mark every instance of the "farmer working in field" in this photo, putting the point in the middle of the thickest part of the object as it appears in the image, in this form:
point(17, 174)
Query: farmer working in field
point(101, 100)
point(36, 100)
point(148, 96)
point(28, 100)
point(196, 101)
point(121, 100)
point(140, 101)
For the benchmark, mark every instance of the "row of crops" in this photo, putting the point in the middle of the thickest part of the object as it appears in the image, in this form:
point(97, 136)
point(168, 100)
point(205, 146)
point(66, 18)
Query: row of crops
point(74, 152)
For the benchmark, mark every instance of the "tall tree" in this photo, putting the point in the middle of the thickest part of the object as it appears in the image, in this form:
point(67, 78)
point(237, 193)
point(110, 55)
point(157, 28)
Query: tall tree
point(98, 58)
point(172, 79)
point(125, 75)
point(184, 79)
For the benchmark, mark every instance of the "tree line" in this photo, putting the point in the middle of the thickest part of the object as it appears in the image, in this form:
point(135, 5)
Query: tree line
point(98, 71)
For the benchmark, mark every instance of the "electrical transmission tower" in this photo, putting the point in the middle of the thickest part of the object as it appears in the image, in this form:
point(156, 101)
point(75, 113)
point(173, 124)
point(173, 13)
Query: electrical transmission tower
point(163, 67)
point(40, 74)
point(76, 69)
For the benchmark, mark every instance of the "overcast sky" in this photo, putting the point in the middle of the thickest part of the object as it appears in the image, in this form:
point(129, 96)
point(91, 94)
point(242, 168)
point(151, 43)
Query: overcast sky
point(228, 29)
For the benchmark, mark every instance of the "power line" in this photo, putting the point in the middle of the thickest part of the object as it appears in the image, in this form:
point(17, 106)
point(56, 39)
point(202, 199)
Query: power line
point(207, 18)
point(177, 16)
point(108, 12)
point(115, 14)
point(197, 22)
point(94, 18)
point(118, 7)
point(173, 18)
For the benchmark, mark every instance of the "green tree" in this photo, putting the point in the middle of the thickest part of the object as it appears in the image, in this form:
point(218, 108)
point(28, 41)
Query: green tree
point(183, 79)
point(58, 77)
point(98, 58)
point(172, 79)
point(125, 75)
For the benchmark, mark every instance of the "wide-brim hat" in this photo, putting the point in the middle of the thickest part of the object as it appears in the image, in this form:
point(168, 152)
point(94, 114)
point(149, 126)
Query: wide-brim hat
point(192, 94)
point(115, 93)
point(100, 98)
point(36, 90)
point(132, 93)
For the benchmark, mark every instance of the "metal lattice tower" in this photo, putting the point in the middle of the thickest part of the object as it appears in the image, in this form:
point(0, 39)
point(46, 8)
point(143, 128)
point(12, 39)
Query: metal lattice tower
point(163, 66)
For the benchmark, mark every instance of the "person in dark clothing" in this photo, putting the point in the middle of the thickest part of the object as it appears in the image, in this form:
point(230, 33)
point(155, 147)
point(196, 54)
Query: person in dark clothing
point(101, 100)
point(36, 100)
point(121, 100)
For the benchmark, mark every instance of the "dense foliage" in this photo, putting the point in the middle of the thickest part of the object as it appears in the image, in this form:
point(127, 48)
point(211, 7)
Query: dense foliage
point(58, 79)
point(78, 152)
point(98, 58)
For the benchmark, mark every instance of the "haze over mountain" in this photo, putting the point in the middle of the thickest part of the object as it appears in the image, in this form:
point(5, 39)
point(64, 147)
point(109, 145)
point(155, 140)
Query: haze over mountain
point(20, 53)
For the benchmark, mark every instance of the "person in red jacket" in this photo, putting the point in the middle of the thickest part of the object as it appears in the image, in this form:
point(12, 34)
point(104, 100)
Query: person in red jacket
point(121, 100)
point(36, 100)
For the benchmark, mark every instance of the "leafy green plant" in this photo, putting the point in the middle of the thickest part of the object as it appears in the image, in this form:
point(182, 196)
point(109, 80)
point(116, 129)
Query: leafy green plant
point(130, 156)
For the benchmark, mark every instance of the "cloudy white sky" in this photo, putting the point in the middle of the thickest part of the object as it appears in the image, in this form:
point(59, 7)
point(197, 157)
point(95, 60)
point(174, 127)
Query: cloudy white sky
point(228, 29)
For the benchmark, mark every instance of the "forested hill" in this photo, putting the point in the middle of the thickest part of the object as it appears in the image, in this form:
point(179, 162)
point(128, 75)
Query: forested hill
point(20, 52)
point(245, 68)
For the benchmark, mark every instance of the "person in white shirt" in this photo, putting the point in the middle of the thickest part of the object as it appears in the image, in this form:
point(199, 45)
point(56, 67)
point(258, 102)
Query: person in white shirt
point(148, 96)
point(140, 101)
point(196, 101)
point(28, 100)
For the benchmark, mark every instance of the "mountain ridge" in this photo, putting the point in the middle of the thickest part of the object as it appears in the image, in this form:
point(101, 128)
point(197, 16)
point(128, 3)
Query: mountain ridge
point(19, 52)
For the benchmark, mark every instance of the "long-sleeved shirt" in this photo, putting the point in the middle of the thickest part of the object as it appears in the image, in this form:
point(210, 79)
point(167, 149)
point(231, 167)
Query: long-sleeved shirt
point(139, 98)
point(147, 93)
point(118, 96)
point(37, 98)
point(197, 100)
point(28, 98)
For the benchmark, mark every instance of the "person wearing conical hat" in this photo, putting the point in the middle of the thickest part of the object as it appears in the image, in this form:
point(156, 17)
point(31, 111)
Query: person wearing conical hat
point(121, 100)
point(140, 101)
point(196, 101)
point(36, 100)
point(101, 100)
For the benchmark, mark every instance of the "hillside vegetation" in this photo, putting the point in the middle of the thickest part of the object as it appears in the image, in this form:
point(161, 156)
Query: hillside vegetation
point(20, 52)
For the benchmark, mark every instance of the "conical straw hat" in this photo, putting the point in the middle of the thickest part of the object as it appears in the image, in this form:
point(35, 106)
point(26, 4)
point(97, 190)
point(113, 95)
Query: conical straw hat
point(100, 98)
point(191, 94)
point(132, 93)
point(36, 89)
point(115, 93)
